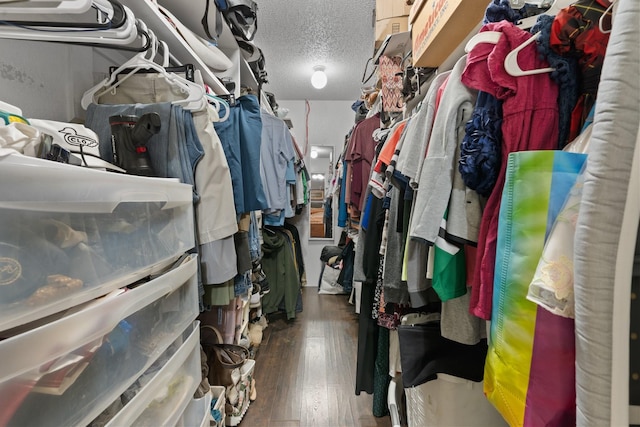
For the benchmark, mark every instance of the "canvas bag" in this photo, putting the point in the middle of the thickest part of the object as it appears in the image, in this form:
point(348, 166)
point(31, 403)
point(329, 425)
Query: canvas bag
point(530, 367)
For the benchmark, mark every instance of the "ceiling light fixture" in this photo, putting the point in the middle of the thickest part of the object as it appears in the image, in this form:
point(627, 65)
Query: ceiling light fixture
point(318, 78)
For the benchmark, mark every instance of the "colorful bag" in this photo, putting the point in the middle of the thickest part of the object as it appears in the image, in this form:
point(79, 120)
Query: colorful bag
point(530, 367)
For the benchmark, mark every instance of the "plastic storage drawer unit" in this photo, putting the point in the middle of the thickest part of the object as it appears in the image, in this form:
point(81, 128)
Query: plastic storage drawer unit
point(70, 234)
point(164, 397)
point(67, 372)
point(198, 413)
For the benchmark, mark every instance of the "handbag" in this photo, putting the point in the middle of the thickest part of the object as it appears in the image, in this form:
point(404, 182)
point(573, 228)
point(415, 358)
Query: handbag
point(224, 360)
point(242, 17)
point(530, 367)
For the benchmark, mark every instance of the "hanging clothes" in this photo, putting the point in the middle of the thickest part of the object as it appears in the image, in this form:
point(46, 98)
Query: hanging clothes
point(575, 33)
point(530, 122)
point(241, 137)
point(360, 155)
point(437, 176)
point(182, 135)
point(277, 155)
point(279, 266)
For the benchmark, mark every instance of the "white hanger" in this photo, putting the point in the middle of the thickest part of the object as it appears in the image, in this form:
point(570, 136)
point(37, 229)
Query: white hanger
point(125, 35)
point(34, 7)
point(511, 61)
point(600, 21)
point(482, 37)
point(195, 93)
point(217, 103)
point(553, 10)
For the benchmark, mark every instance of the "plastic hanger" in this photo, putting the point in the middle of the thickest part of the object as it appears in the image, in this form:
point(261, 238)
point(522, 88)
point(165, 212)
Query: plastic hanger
point(38, 7)
point(103, 15)
point(511, 61)
point(125, 35)
point(553, 10)
point(601, 20)
point(482, 37)
point(218, 102)
point(195, 94)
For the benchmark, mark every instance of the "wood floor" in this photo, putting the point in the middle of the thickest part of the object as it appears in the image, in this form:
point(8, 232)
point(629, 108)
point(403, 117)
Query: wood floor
point(305, 369)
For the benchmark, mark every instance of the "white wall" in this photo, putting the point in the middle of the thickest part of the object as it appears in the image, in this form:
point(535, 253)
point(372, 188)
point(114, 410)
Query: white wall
point(45, 80)
point(329, 122)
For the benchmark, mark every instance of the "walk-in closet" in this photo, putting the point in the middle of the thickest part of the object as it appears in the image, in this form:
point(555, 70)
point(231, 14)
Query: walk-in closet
point(264, 213)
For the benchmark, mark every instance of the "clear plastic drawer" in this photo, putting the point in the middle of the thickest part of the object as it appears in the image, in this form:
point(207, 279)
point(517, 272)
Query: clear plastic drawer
point(65, 373)
point(70, 234)
point(164, 397)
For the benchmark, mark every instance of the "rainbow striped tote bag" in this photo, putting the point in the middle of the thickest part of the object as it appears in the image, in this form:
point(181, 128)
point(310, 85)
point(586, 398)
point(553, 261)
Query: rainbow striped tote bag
point(529, 371)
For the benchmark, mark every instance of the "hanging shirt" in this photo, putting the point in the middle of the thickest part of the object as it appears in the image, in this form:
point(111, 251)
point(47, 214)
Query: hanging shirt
point(360, 155)
point(241, 140)
point(530, 122)
point(575, 33)
point(276, 156)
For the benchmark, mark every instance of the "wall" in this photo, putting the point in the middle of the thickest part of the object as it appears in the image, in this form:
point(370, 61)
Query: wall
point(329, 122)
point(45, 80)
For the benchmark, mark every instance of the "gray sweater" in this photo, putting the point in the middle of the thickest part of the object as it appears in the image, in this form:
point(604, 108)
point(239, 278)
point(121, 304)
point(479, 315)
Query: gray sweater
point(437, 177)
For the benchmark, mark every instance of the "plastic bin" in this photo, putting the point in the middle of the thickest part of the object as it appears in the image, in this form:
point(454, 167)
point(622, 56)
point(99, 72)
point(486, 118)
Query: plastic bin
point(70, 234)
point(67, 372)
point(165, 397)
point(218, 393)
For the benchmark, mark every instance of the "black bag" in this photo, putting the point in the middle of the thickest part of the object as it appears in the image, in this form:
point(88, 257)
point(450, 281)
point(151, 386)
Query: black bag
point(241, 15)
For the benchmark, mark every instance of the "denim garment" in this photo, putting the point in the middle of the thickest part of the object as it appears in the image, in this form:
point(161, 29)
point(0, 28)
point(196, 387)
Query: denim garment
point(241, 137)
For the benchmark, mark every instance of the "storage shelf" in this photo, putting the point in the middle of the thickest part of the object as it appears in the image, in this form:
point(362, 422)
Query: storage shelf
point(150, 14)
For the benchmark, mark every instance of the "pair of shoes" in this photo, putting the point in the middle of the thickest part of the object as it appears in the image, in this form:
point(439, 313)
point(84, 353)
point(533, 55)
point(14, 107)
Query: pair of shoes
point(264, 287)
point(259, 277)
point(256, 295)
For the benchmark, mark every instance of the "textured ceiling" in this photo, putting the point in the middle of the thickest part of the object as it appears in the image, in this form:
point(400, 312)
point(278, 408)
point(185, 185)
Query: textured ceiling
point(297, 35)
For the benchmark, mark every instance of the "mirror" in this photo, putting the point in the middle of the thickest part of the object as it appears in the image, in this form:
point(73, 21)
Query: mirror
point(320, 209)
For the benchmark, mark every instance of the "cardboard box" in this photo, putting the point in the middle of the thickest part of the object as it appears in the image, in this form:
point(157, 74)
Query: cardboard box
point(386, 9)
point(415, 9)
point(390, 26)
point(440, 26)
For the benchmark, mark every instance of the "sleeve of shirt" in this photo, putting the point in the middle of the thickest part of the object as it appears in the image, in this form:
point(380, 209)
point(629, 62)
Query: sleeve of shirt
point(286, 148)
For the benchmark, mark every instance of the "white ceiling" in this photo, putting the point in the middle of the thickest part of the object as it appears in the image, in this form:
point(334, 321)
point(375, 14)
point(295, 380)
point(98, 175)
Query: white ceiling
point(297, 35)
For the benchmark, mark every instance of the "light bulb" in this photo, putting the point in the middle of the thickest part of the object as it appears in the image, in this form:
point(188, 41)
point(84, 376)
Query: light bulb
point(314, 154)
point(318, 78)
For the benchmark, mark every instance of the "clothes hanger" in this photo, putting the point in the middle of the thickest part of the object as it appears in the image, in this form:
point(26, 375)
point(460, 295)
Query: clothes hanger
point(125, 35)
point(38, 7)
point(512, 67)
point(553, 10)
point(195, 93)
point(110, 15)
point(217, 103)
point(482, 37)
point(604, 14)
point(526, 23)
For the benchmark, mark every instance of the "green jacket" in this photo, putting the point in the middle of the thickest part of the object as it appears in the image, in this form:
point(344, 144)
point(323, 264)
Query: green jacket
point(281, 272)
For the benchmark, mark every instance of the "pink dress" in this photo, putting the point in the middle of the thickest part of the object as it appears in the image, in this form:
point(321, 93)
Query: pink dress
point(530, 122)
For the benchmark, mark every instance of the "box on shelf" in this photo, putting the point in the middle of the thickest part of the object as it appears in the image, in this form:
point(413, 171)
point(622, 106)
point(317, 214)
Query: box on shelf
point(415, 8)
point(386, 9)
point(440, 26)
point(390, 26)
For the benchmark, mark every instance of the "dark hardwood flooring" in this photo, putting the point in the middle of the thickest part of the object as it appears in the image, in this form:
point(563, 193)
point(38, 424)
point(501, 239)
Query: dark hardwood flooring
point(305, 369)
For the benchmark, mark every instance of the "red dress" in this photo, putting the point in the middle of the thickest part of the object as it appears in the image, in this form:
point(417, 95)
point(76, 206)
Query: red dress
point(530, 122)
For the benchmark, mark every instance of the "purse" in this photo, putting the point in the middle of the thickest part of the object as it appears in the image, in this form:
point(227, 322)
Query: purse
point(224, 360)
